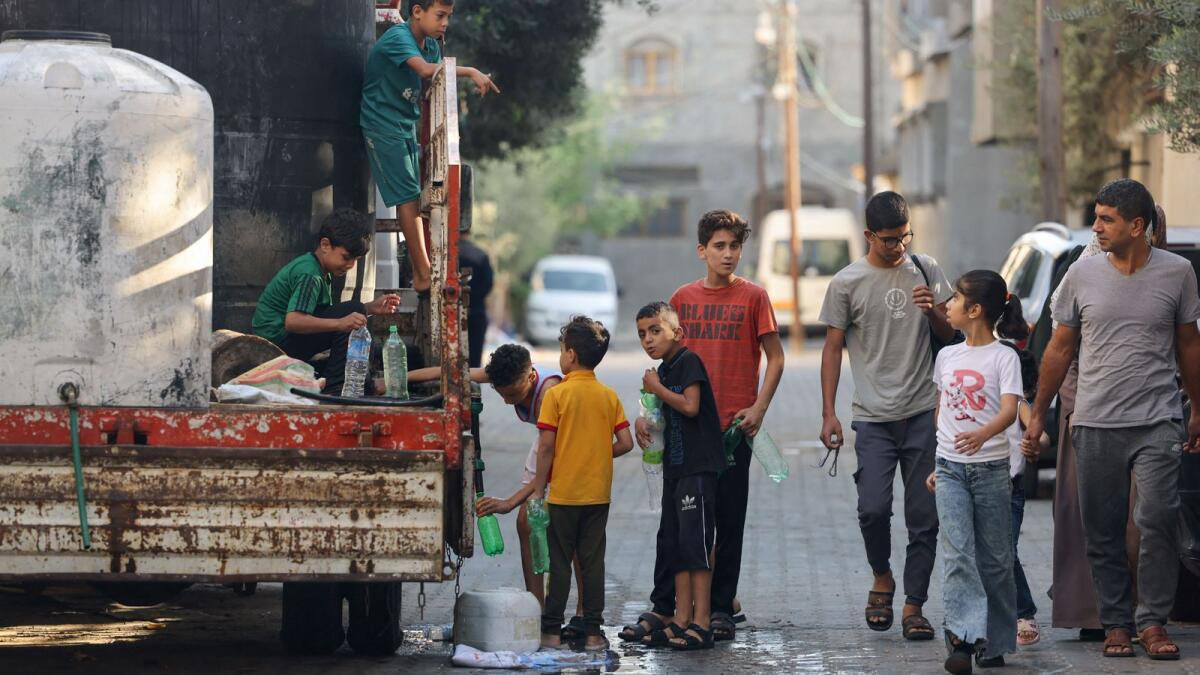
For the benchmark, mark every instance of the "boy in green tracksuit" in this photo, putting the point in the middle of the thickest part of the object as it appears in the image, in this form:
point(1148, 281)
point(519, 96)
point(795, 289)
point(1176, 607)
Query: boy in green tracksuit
point(391, 112)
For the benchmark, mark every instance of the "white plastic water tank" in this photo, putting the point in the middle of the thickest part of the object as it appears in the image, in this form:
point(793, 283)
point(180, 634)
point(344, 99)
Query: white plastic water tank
point(106, 187)
point(504, 619)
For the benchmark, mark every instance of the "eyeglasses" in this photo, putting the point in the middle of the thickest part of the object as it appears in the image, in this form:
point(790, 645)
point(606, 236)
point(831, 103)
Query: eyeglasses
point(893, 242)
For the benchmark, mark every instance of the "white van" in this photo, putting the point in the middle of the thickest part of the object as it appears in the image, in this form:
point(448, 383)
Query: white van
point(565, 285)
point(830, 239)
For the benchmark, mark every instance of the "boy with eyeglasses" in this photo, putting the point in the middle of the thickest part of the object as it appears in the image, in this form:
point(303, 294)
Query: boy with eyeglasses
point(886, 308)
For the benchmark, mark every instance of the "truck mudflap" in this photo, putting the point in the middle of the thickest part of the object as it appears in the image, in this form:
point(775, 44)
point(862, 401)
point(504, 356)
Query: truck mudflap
point(223, 514)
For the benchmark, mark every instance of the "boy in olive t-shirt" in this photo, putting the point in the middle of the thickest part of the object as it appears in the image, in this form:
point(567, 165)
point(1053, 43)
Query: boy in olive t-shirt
point(578, 420)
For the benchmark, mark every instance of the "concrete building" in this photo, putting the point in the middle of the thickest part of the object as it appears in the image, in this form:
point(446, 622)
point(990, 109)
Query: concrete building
point(956, 163)
point(690, 91)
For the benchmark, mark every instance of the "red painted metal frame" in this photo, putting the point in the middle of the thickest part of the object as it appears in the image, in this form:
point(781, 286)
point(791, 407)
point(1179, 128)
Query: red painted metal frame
point(223, 426)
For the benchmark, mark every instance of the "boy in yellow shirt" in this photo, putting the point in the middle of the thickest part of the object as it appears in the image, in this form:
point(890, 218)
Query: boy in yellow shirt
point(578, 420)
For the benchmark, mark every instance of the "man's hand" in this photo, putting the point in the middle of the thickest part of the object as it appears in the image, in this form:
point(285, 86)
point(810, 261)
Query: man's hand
point(969, 442)
point(489, 505)
point(752, 418)
point(384, 304)
point(831, 433)
point(483, 83)
point(351, 322)
point(642, 431)
point(650, 381)
point(931, 483)
point(922, 297)
point(1033, 435)
point(1193, 445)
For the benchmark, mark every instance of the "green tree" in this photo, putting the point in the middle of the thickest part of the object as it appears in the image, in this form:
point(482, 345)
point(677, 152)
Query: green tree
point(533, 49)
point(528, 201)
point(1105, 90)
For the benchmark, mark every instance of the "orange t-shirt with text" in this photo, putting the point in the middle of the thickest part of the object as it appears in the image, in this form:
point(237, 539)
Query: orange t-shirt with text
point(724, 326)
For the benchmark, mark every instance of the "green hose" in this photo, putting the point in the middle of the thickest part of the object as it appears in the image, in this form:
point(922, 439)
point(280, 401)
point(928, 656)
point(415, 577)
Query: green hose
point(70, 395)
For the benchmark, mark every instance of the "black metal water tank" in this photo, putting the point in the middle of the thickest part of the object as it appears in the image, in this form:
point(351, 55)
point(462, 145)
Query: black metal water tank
point(285, 77)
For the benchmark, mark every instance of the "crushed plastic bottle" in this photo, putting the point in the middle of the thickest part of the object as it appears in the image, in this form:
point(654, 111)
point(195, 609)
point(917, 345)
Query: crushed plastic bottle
point(769, 456)
point(395, 366)
point(650, 410)
point(732, 439)
point(539, 520)
point(489, 532)
point(358, 355)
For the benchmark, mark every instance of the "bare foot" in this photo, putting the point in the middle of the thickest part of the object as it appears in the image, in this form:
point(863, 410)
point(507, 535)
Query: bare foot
point(595, 643)
point(550, 641)
point(884, 583)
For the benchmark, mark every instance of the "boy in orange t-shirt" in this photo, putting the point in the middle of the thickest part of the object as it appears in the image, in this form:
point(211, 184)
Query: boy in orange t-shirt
point(730, 324)
point(578, 420)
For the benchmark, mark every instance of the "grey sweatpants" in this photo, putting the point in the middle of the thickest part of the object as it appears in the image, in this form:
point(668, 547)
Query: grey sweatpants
point(1105, 459)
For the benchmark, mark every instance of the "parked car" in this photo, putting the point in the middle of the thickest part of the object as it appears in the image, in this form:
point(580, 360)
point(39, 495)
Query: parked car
point(830, 239)
point(564, 286)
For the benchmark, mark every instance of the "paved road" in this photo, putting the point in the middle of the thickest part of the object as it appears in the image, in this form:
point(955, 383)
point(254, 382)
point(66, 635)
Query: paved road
point(803, 583)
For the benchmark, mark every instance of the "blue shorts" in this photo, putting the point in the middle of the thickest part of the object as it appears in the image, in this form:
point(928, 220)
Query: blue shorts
point(396, 167)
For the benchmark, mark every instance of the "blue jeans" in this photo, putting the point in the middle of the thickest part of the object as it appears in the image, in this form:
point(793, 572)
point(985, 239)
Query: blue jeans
point(1026, 609)
point(974, 503)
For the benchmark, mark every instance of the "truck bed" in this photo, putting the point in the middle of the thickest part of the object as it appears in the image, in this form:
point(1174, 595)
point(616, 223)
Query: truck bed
point(232, 493)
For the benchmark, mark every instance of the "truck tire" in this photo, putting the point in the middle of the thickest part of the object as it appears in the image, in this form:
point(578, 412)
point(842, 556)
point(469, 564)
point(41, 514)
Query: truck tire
point(311, 623)
point(374, 618)
point(140, 593)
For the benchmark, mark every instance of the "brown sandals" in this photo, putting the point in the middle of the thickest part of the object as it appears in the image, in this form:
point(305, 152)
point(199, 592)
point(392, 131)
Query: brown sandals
point(879, 614)
point(1158, 644)
point(1118, 643)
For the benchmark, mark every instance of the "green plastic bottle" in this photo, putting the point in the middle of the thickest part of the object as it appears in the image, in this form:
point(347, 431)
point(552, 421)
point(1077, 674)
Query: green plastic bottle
point(768, 454)
point(539, 521)
point(733, 438)
point(489, 532)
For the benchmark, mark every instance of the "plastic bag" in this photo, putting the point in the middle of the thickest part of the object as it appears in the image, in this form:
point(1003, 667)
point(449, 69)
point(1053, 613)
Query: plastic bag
point(280, 375)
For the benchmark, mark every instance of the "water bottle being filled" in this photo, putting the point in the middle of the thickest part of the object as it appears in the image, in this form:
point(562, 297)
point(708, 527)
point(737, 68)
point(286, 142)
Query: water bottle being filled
point(489, 532)
point(358, 356)
point(539, 520)
point(395, 366)
point(650, 410)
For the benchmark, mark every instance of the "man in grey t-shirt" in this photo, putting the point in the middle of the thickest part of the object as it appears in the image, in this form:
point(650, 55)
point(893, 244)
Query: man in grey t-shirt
point(1131, 314)
point(882, 307)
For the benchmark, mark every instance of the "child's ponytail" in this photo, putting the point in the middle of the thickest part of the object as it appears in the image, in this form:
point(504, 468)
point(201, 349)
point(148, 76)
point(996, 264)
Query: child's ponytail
point(1002, 309)
point(1012, 320)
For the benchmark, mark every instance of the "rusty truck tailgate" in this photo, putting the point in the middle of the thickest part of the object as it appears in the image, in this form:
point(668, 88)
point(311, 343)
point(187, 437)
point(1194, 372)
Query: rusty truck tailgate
point(223, 514)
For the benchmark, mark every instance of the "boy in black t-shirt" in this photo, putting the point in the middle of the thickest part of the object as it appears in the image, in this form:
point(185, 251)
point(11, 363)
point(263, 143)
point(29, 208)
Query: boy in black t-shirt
point(692, 459)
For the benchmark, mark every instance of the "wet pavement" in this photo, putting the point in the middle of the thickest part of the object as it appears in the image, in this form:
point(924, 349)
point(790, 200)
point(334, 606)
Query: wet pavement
point(803, 584)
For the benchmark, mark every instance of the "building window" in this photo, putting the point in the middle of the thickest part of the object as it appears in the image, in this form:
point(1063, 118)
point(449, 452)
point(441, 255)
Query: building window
point(666, 221)
point(650, 67)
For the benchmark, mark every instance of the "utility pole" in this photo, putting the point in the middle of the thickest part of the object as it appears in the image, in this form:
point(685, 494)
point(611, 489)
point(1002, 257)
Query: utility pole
point(1049, 111)
point(868, 105)
point(786, 90)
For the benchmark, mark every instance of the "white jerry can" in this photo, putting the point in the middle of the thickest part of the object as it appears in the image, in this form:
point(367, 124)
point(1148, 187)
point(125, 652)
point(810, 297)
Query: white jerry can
point(505, 619)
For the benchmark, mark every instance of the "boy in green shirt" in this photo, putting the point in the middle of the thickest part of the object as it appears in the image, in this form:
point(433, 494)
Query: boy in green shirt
point(296, 310)
point(391, 112)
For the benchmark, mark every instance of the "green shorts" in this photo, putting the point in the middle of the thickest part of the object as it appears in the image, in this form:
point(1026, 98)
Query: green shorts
point(396, 167)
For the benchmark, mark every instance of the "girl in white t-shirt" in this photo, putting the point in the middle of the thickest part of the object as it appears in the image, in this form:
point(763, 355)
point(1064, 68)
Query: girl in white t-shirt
point(979, 381)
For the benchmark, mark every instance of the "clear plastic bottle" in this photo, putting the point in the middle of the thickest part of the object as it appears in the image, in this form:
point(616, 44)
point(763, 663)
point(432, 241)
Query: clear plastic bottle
point(650, 410)
point(539, 520)
point(489, 532)
point(358, 355)
point(768, 454)
point(395, 366)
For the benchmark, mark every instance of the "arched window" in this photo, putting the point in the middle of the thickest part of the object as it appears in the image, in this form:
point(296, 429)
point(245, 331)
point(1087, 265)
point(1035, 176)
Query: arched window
point(650, 67)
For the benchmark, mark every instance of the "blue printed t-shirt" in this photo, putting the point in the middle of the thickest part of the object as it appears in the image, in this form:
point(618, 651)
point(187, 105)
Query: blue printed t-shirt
point(391, 98)
point(301, 286)
point(693, 444)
